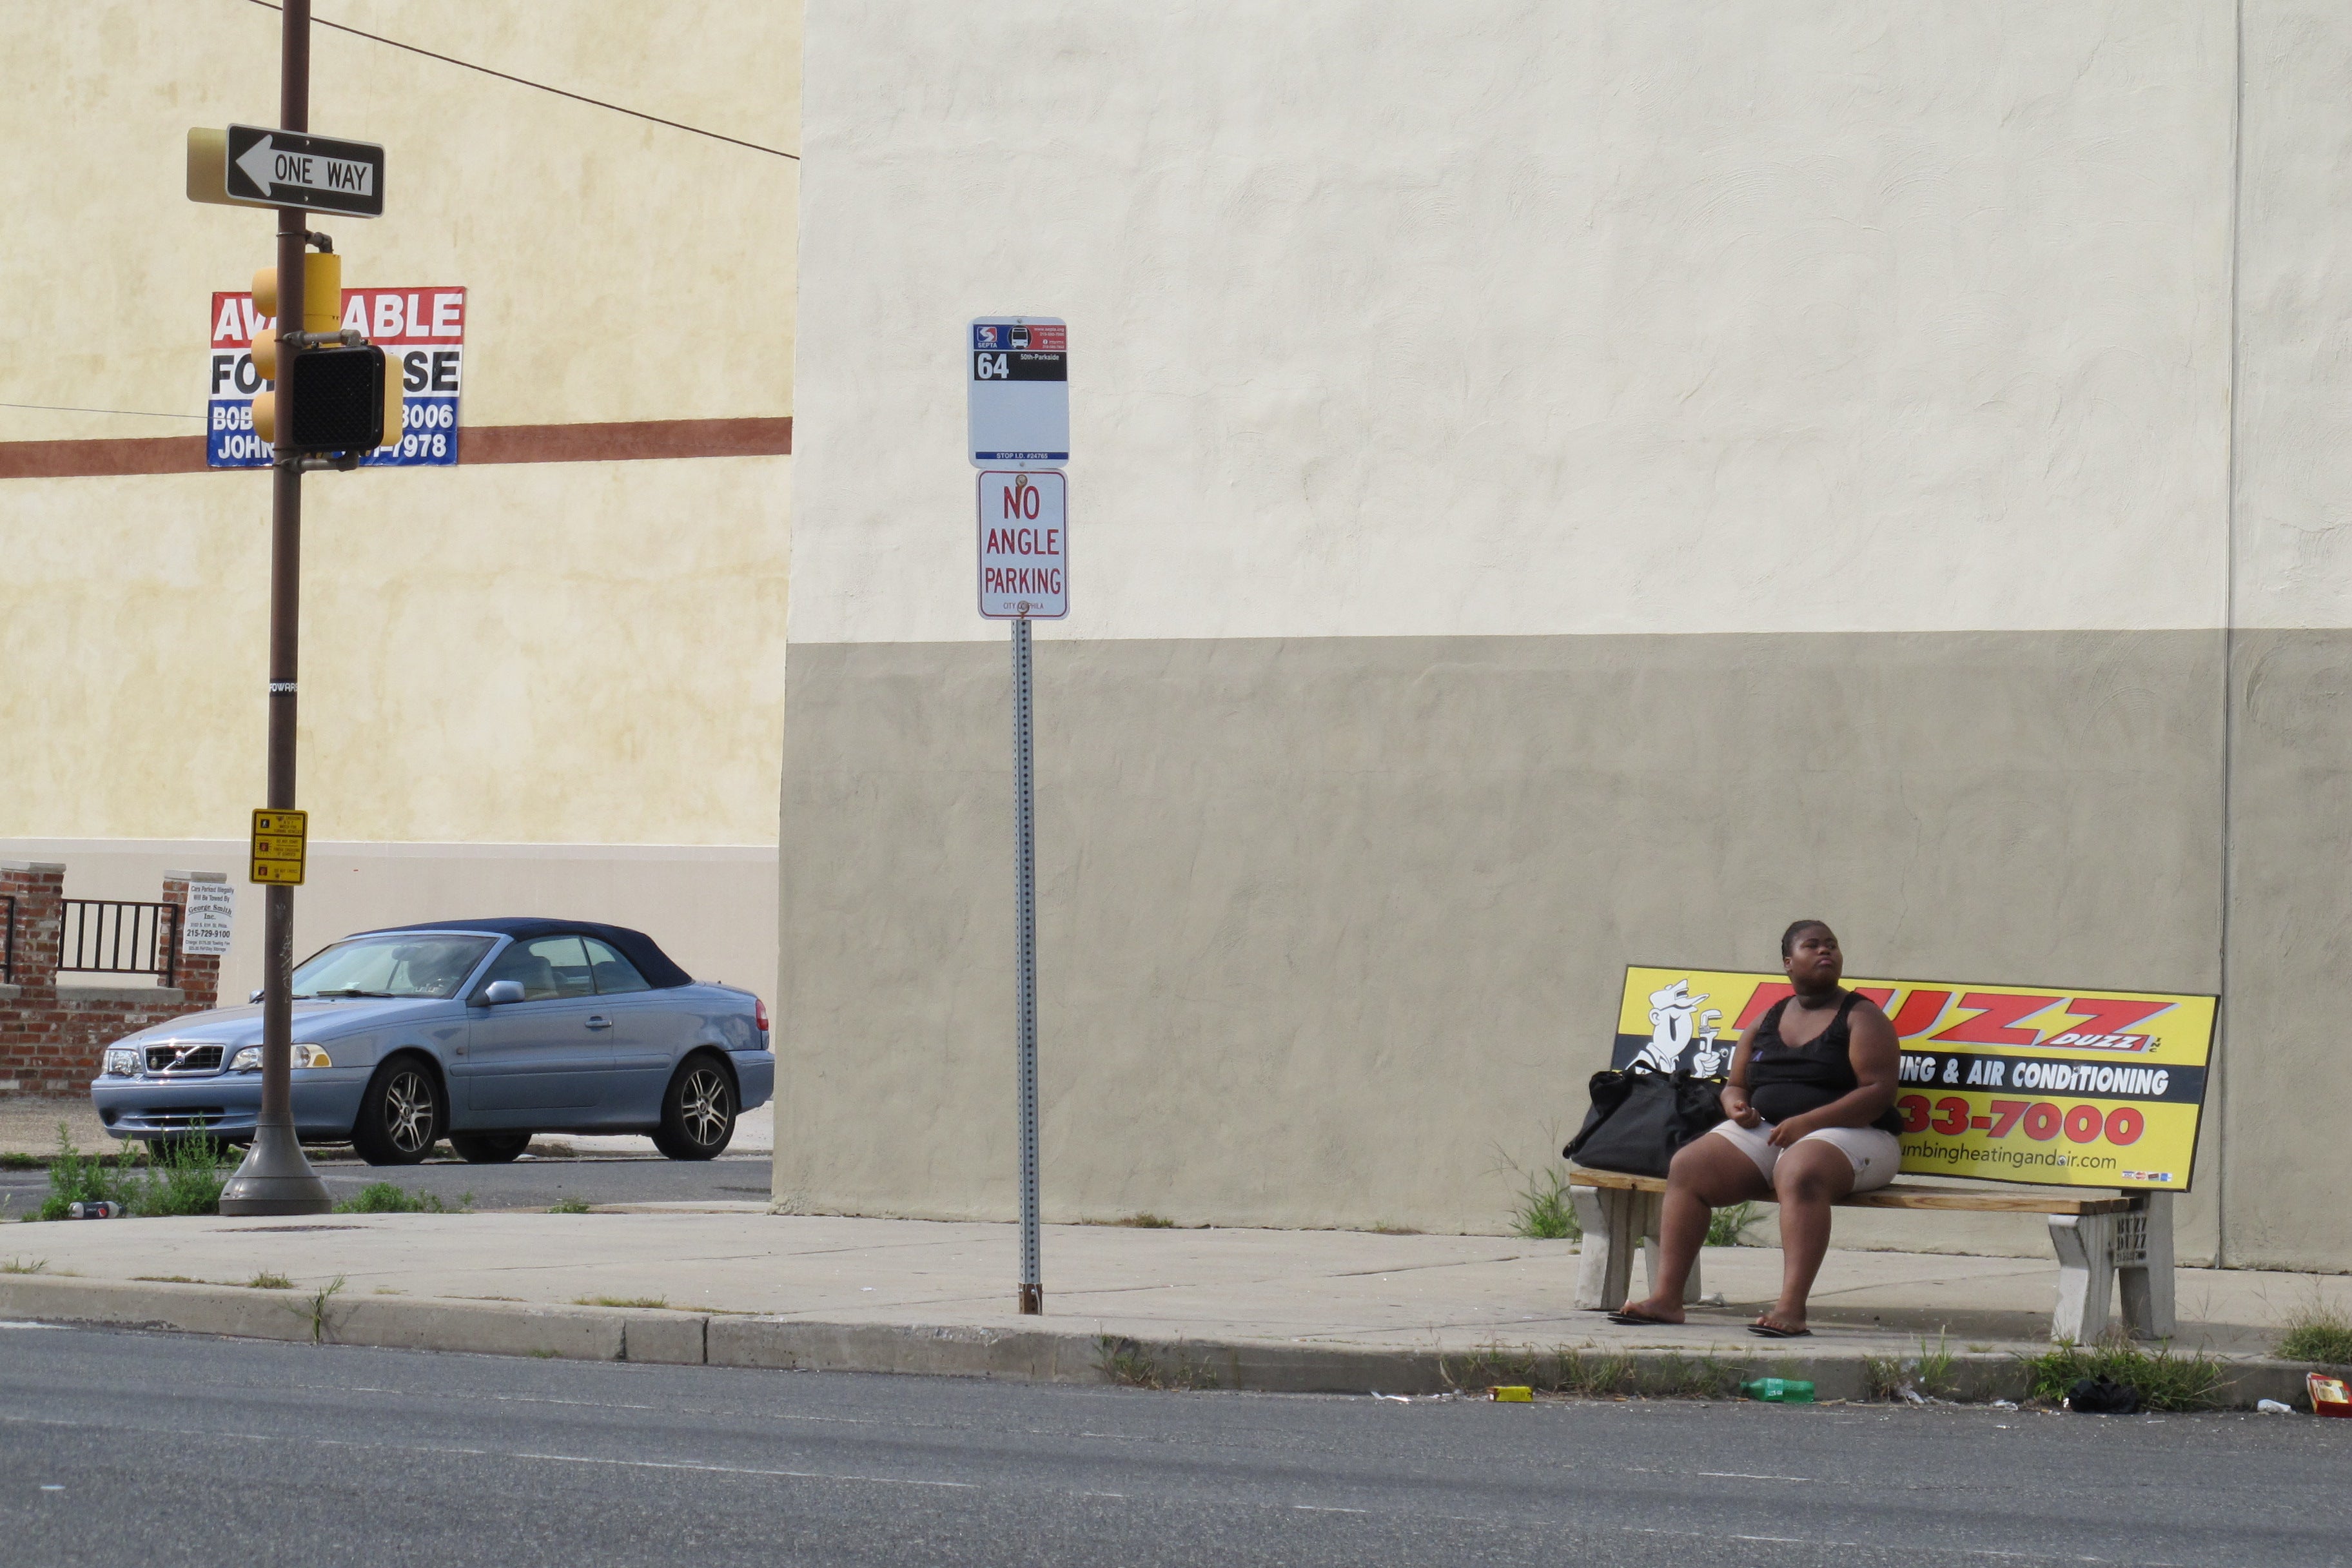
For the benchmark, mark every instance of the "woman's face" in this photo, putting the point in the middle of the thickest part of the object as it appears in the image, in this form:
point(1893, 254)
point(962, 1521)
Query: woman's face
point(1815, 962)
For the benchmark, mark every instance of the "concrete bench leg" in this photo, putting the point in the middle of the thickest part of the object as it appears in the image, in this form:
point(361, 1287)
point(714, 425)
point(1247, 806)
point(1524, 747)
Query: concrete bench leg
point(2143, 1260)
point(1612, 1220)
point(2086, 1274)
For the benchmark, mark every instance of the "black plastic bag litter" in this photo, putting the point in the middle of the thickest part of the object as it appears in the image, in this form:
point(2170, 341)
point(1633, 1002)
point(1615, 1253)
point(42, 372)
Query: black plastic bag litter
point(2098, 1396)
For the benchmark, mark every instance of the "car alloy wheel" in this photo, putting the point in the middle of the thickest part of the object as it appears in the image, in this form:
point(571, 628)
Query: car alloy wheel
point(704, 1106)
point(409, 1111)
point(697, 1111)
point(400, 1116)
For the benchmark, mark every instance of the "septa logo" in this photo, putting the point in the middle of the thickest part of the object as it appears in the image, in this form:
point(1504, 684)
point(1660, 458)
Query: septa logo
point(983, 338)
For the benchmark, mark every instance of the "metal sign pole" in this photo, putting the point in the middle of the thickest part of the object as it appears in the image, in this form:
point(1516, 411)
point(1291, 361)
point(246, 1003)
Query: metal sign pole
point(1024, 943)
point(275, 1176)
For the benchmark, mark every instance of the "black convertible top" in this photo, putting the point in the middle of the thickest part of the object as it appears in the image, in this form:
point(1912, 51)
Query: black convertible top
point(634, 945)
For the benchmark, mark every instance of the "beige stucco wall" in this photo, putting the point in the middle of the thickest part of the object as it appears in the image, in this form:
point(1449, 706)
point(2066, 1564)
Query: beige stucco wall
point(591, 243)
point(494, 657)
point(532, 653)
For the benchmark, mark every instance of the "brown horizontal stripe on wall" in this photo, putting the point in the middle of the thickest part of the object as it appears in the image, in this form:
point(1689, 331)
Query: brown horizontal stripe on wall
point(608, 443)
point(76, 459)
point(618, 443)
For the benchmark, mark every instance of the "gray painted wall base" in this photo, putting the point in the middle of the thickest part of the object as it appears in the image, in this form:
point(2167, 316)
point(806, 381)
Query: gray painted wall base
point(1335, 927)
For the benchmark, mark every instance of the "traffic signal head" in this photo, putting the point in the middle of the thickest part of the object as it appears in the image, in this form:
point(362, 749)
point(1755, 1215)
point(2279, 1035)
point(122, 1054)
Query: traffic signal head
point(337, 399)
point(334, 400)
point(322, 304)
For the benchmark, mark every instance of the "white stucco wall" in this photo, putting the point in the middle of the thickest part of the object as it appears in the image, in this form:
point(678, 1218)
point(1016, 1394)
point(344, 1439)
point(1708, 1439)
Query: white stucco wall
point(1394, 319)
point(2293, 525)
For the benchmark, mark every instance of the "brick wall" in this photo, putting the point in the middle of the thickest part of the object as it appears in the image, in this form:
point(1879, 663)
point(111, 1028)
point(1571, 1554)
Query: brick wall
point(51, 1035)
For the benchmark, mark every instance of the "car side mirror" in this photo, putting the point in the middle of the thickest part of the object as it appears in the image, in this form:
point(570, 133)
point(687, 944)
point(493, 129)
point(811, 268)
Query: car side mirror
point(254, 997)
point(500, 992)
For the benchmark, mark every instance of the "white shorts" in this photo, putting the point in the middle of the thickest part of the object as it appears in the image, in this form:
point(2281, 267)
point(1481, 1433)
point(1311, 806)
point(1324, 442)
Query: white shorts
point(1875, 1152)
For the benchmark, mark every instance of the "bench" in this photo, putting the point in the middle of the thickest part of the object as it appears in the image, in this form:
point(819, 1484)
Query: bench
point(2100, 1240)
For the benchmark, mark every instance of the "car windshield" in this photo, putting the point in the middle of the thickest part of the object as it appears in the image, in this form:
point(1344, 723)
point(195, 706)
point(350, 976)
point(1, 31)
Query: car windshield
point(389, 966)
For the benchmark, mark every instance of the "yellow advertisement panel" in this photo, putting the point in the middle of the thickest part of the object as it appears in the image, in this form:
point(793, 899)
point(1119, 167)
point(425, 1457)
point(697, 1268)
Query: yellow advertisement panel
point(2006, 1083)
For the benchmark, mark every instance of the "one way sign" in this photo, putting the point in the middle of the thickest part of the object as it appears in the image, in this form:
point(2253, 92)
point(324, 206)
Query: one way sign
point(283, 169)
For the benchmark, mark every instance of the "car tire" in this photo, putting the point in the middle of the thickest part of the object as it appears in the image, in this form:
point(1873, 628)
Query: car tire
point(489, 1148)
point(401, 1115)
point(697, 1111)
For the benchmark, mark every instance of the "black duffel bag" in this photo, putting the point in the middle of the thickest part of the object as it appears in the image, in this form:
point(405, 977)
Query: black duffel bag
point(1640, 1116)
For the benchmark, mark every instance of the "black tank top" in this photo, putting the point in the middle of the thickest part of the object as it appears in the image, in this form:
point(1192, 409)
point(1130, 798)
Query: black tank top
point(1786, 1081)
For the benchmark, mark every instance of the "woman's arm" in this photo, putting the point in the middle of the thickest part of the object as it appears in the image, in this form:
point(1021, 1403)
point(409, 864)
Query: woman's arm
point(1871, 1049)
point(1735, 1087)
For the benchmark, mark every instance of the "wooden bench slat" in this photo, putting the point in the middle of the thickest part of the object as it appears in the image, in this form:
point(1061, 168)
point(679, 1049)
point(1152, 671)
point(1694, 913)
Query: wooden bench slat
point(1900, 1195)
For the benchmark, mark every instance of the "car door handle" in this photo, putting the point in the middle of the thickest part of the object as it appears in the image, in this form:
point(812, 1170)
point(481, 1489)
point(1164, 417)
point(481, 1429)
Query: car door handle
point(598, 1021)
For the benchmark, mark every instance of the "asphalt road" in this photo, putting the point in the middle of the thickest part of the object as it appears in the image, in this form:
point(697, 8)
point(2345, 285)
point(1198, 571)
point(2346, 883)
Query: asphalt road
point(161, 1449)
point(528, 1182)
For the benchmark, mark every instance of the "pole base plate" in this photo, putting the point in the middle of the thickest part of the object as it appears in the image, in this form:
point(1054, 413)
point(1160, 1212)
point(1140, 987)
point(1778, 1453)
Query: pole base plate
point(276, 1177)
point(1032, 1300)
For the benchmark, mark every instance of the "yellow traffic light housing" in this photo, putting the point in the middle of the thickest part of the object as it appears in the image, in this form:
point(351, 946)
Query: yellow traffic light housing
point(395, 405)
point(322, 291)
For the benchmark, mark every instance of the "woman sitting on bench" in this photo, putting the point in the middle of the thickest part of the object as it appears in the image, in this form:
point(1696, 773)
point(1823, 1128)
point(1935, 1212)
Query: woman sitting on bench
point(1810, 1101)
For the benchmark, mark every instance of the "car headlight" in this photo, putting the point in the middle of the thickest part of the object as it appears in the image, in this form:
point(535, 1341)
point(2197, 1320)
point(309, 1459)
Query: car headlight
point(249, 1058)
point(121, 1061)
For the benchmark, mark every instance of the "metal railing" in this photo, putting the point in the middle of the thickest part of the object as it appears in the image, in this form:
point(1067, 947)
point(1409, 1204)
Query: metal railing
point(114, 936)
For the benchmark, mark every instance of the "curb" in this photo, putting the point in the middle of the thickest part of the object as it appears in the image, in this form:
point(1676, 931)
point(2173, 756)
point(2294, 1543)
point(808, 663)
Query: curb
point(1044, 1355)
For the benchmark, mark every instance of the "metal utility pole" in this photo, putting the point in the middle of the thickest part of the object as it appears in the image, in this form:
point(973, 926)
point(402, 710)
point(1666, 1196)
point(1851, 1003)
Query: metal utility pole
point(1024, 943)
point(276, 1177)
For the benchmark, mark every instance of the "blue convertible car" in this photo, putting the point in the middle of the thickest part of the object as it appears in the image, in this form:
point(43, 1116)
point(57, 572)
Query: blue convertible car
point(481, 1031)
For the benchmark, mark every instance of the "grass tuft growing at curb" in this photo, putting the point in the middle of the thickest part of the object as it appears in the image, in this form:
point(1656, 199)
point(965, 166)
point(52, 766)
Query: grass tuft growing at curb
point(384, 1197)
point(2318, 1333)
point(1591, 1372)
point(184, 1178)
point(569, 1205)
point(1130, 1365)
point(1929, 1374)
point(2166, 1379)
point(661, 1302)
point(24, 1265)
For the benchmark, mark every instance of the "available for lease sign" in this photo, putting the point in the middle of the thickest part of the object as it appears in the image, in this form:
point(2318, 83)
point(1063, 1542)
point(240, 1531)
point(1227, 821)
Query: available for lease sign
point(423, 334)
point(2011, 1083)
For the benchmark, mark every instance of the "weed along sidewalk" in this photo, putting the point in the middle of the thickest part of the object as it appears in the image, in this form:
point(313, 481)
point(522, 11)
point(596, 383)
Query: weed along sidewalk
point(1339, 1310)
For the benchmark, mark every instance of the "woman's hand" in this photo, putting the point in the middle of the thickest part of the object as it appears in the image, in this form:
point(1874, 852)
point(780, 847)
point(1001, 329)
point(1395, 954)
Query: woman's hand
point(1786, 1134)
point(1735, 1106)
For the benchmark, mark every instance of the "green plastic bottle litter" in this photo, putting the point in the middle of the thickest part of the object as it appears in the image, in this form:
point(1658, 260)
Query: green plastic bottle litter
point(1780, 1390)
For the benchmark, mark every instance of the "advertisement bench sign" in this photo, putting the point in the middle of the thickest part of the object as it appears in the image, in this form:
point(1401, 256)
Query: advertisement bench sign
point(2006, 1083)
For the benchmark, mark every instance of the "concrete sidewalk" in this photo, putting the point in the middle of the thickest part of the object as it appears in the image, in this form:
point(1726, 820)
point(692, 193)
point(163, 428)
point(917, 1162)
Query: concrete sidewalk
point(1272, 1309)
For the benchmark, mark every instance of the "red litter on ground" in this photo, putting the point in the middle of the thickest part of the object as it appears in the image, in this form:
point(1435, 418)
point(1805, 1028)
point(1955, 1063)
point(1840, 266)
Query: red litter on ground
point(2328, 1395)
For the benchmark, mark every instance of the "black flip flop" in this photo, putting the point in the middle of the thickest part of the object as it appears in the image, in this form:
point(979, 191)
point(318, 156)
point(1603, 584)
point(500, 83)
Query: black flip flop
point(1642, 1320)
point(1764, 1328)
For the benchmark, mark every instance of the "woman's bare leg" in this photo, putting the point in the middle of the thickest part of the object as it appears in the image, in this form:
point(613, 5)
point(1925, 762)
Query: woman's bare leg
point(1707, 1174)
point(1808, 1179)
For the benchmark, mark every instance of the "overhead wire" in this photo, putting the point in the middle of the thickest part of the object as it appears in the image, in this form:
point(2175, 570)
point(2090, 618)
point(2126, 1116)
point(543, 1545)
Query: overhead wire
point(69, 408)
point(526, 81)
